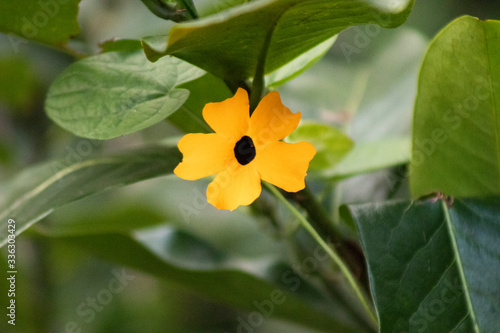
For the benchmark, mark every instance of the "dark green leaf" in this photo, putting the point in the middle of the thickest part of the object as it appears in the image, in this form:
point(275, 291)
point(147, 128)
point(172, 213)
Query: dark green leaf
point(231, 43)
point(433, 268)
point(38, 191)
point(456, 147)
point(476, 230)
point(117, 93)
point(50, 21)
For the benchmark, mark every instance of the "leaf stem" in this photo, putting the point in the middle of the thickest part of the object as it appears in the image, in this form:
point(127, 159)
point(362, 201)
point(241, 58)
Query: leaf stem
point(190, 8)
point(334, 256)
point(258, 79)
point(317, 213)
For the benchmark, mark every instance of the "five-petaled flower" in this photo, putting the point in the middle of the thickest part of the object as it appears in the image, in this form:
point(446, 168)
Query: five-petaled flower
point(243, 150)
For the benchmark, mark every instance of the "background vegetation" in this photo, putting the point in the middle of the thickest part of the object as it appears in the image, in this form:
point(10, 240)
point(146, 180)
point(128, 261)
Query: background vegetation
point(365, 85)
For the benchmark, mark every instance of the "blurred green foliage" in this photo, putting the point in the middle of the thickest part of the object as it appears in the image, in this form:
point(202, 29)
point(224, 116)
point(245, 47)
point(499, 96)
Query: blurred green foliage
point(365, 85)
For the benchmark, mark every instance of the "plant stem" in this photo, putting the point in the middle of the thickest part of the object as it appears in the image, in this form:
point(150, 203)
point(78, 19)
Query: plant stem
point(334, 256)
point(257, 88)
point(322, 221)
point(258, 79)
point(190, 8)
point(317, 213)
point(233, 86)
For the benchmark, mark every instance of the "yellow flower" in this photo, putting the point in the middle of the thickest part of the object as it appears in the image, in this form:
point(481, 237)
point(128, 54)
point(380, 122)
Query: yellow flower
point(243, 150)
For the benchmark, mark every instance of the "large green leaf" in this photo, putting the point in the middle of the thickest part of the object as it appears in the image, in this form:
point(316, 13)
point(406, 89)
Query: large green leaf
point(475, 229)
point(456, 126)
point(433, 268)
point(51, 21)
point(231, 43)
point(117, 93)
point(252, 285)
point(39, 190)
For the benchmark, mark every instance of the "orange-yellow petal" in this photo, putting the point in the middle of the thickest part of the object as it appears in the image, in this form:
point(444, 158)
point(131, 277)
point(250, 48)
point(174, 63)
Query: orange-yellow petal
point(204, 155)
point(285, 164)
point(229, 118)
point(271, 120)
point(237, 185)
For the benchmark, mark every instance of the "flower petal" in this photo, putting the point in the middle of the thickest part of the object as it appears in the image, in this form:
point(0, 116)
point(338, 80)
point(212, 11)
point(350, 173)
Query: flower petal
point(235, 186)
point(229, 118)
point(285, 164)
point(271, 120)
point(204, 155)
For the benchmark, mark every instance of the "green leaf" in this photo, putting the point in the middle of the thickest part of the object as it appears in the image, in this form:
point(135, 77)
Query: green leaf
point(297, 66)
point(51, 21)
point(117, 93)
point(331, 144)
point(252, 285)
point(212, 7)
point(231, 43)
point(118, 216)
point(368, 157)
point(475, 229)
point(206, 89)
point(39, 190)
point(456, 125)
point(433, 268)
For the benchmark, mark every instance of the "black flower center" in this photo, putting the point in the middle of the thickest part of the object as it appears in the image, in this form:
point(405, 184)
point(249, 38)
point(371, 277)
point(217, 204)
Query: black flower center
point(244, 150)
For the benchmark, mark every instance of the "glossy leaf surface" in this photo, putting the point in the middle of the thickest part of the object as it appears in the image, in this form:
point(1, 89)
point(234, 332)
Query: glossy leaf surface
point(433, 268)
